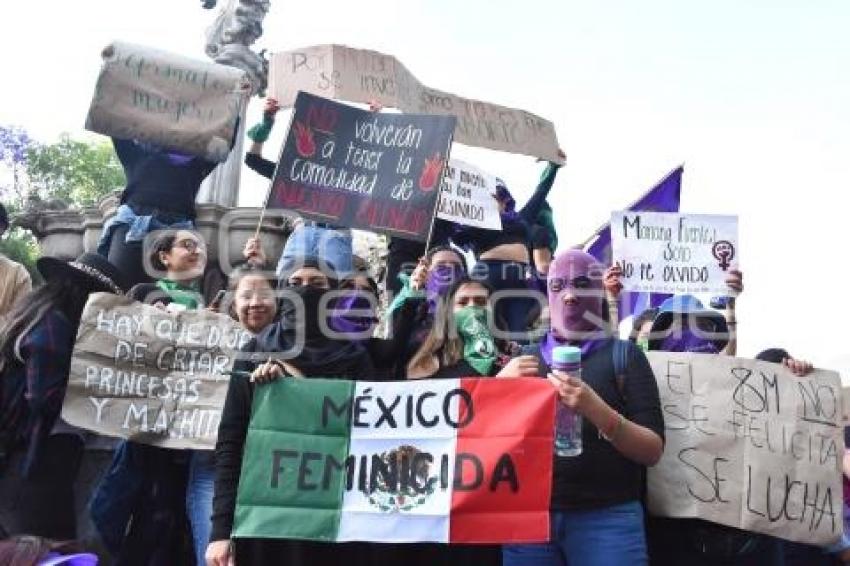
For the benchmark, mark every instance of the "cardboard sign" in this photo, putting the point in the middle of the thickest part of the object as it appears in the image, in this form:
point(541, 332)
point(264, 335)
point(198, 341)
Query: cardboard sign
point(750, 445)
point(423, 460)
point(147, 375)
point(364, 170)
point(168, 100)
point(467, 197)
point(674, 253)
point(360, 75)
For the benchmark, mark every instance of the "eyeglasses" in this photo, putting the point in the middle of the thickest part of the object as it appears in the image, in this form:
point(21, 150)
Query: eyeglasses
point(190, 246)
point(557, 284)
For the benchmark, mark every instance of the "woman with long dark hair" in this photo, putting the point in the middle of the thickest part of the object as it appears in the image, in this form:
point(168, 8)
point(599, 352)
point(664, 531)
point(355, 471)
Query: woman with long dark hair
point(39, 453)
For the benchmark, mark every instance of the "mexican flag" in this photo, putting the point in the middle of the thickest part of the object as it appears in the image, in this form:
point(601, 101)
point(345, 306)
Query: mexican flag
point(463, 460)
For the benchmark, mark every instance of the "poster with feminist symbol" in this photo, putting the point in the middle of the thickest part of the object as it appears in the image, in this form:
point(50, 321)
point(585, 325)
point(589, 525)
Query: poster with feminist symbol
point(674, 253)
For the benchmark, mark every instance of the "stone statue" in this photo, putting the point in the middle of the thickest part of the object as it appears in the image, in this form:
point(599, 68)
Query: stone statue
point(229, 40)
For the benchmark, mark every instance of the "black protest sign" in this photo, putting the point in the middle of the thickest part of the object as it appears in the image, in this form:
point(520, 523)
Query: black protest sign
point(365, 170)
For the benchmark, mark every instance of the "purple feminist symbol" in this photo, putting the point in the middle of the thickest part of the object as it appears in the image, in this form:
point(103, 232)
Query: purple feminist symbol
point(724, 252)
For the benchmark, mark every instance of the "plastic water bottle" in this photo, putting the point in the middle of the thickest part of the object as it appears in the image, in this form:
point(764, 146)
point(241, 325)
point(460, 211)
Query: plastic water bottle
point(567, 360)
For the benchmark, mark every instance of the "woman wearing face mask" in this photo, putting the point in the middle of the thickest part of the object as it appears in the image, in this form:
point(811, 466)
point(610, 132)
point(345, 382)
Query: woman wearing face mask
point(459, 345)
point(597, 517)
point(421, 293)
point(298, 333)
point(504, 256)
point(354, 317)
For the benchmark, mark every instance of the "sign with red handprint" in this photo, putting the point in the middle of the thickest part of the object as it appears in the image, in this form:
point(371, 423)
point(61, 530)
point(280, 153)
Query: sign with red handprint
point(352, 168)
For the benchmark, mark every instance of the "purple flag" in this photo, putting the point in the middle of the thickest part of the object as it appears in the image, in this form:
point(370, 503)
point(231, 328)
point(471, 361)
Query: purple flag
point(663, 197)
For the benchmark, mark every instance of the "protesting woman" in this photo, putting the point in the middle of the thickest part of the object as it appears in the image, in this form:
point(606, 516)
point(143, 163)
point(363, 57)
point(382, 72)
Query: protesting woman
point(160, 194)
point(420, 294)
point(460, 343)
point(40, 454)
point(597, 516)
point(504, 256)
point(160, 478)
point(309, 353)
point(354, 315)
point(253, 302)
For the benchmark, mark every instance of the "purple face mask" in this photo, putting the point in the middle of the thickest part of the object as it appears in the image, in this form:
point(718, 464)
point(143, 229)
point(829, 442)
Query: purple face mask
point(687, 341)
point(440, 279)
point(353, 314)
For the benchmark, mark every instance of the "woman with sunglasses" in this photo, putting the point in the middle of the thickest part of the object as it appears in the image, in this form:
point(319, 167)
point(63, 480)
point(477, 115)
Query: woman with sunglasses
point(597, 516)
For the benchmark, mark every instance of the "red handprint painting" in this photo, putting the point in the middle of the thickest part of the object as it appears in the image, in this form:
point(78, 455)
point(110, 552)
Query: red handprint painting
point(431, 172)
point(304, 142)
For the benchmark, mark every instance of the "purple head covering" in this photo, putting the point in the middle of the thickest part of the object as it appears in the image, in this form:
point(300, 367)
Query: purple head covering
point(576, 315)
point(353, 314)
point(173, 157)
point(440, 279)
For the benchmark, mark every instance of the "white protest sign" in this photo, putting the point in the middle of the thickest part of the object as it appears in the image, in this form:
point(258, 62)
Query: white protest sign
point(168, 100)
point(151, 376)
point(467, 197)
point(674, 253)
point(360, 75)
point(749, 445)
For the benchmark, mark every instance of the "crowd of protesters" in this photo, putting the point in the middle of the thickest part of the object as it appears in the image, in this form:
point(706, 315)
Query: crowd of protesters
point(165, 506)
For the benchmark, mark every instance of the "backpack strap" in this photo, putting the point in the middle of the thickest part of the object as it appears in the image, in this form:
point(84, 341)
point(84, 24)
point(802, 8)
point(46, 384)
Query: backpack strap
point(621, 353)
point(534, 350)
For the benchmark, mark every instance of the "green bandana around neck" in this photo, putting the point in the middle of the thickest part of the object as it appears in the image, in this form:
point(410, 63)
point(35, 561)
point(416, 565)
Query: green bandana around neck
point(184, 295)
point(479, 348)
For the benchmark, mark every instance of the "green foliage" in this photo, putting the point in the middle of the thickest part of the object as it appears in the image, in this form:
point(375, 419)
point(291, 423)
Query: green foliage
point(77, 172)
point(19, 245)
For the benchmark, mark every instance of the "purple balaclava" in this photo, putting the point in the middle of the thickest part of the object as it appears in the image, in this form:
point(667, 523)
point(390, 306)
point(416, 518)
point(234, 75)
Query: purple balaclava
point(353, 314)
point(579, 322)
point(440, 279)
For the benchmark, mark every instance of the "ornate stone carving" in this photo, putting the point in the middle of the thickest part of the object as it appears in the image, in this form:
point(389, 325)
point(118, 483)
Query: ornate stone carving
point(229, 38)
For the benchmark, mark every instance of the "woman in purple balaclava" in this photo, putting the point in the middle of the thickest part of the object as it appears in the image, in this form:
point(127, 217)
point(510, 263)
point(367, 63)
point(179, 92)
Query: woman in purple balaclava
point(597, 516)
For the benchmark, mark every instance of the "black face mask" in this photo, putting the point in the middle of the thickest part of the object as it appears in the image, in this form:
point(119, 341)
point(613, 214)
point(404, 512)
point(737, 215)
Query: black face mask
point(292, 316)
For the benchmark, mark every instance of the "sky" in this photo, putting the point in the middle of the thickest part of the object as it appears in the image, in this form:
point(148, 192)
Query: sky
point(753, 96)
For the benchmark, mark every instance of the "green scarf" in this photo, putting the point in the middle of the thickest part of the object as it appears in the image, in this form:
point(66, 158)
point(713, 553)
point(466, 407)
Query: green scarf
point(189, 297)
point(479, 348)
